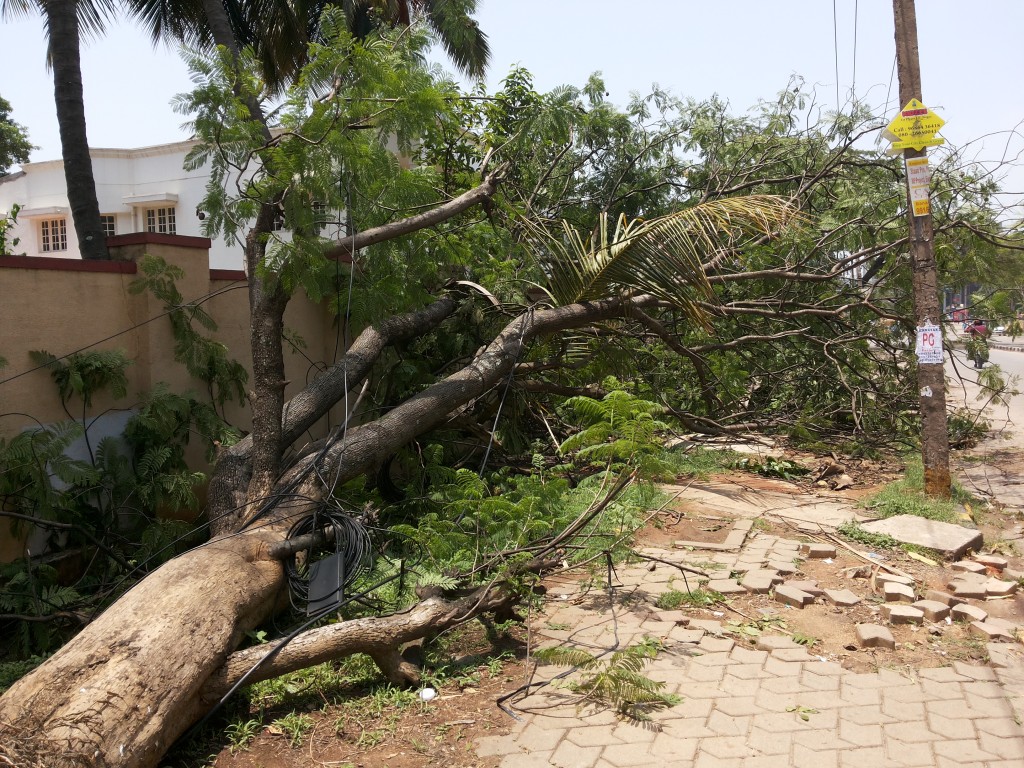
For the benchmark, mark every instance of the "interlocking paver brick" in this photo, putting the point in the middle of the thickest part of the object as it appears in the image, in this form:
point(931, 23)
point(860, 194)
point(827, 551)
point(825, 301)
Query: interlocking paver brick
point(1006, 747)
point(791, 596)
point(592, 736)
point(770, 742)
point(874, 636)
point(1000, 588)
point(767, 761)
point(569, 755)
point(1000, 726)
point(668, 745)
point(779, 668)
point(726, 746)
point(868, 714)
point(974, 672)
point(716, 645)
point(951, 728)
point(532, 760)
point(937, 690)
point(773, 642)
point(843, 598)
point(909, 755)
point(804, 757)
point(625, 755)
point(933, 610)
point(909, 731)
point(903, 711)
point(742, 655)
point(863, 757)
point(728, 725)
point(710, 657)
point(963, 750)
point(990, 633)
point(942, 674)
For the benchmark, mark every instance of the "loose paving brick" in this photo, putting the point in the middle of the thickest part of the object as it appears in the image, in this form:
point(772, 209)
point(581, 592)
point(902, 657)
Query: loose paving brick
point(969, 590)
point(817, 551)
point(992, 561)
point(933, 610)
point(843, 598)
point(1000, 588)
point(968, 612)
point(898, 593)
point(898, 613)
point(810, 586)
point(942, 597)
point(875, 636)
point(794, 597)
point(969, 565)
point(727, 586)
point(892, 578)
point(775, 642)
point(990, 633)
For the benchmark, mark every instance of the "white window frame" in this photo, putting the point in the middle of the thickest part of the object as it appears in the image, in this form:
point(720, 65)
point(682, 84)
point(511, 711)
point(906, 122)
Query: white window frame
point(161, 220)
point(53, 235)
point(111, 219)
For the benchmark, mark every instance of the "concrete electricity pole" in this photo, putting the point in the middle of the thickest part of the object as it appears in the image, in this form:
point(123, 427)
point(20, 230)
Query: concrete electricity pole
point(930, 375)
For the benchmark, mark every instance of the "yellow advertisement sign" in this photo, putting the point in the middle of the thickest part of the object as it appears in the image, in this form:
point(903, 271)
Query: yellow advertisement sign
point(914, 127)
point(919, 178)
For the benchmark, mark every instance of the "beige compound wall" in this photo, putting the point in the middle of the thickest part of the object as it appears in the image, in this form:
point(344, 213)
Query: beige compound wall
point(66, 305)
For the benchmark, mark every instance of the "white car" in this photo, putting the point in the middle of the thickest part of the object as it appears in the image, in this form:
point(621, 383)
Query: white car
point(1000, 329)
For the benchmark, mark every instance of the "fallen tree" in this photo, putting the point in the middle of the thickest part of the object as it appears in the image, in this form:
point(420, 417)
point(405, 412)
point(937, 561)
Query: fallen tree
point(720, 288)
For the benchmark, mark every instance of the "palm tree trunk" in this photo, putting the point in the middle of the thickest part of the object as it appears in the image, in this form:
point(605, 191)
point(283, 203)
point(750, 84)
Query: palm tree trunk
point(62, 22)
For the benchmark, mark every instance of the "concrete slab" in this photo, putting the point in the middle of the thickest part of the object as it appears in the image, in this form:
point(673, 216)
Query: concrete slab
point(874, 636)
point(952, 541)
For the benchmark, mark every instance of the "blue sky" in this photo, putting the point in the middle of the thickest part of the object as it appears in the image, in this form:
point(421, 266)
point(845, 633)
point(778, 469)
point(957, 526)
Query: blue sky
point(744, 50)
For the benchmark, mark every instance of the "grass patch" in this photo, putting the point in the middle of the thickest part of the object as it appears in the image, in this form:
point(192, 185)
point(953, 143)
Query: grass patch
point(852, 531)
point(696, 598)
point(906, 497)
point(699, 462)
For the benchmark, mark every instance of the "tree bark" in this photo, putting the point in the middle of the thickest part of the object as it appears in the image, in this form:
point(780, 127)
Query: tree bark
point(120, 692)
point(62, 25)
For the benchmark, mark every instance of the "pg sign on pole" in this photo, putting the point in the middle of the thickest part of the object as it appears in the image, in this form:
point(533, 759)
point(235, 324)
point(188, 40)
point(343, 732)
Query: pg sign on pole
point(929, 344)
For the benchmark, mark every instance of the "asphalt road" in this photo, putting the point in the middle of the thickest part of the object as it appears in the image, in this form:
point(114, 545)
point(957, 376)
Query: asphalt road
point(1006, 418)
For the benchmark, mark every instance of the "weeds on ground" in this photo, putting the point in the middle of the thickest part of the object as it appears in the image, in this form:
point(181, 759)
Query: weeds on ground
point(695, 598)
point(616, 681)
point(698, 462)
point(906, 497)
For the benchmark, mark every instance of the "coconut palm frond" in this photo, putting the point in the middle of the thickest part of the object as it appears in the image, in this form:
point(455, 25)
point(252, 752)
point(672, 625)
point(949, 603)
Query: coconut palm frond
point(662, 256)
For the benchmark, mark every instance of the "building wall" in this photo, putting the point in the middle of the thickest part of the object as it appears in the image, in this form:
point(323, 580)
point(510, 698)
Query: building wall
point(65, 305)
point(125, 178)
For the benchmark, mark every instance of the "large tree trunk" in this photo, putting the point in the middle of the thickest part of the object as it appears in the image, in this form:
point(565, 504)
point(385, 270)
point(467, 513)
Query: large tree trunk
point(134, 680)
point(62, 25)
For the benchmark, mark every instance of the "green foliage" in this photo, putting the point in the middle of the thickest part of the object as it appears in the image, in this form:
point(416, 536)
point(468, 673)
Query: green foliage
point(966, 428)
point(466, 519)
point(616, 681)
point(12, 671)
point(771, 466)
point(7, 246)
point(619, 431)
point(906, 497)
point(693, 598)
point(203, 357)
point(241, 733)
point(32, 590)
point(294, 726)
point(14, 145)
point(85, 373)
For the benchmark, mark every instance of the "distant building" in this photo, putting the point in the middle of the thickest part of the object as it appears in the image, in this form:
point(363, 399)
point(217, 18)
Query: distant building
point(139, 190)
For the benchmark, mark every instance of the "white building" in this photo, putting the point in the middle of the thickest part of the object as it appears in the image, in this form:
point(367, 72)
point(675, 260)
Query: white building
point(139, 190)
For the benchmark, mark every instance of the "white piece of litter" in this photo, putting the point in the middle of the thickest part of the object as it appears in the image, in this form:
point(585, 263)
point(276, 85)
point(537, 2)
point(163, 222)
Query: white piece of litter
point(427, 694)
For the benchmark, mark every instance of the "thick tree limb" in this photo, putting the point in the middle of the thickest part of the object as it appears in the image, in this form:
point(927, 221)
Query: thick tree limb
point(436, 215)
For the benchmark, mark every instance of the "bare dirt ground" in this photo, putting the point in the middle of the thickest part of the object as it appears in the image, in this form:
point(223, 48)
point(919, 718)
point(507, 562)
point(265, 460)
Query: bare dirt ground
point(443, 731)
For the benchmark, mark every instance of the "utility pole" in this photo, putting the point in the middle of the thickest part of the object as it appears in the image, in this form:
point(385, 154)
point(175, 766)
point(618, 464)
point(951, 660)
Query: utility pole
point(930, 376)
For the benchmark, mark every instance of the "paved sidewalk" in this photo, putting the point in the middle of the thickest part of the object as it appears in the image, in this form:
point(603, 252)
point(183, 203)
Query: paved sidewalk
point(746, 708)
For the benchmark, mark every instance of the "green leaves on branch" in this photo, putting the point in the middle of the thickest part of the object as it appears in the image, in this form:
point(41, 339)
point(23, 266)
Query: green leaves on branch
point(662, 256)
point(617, 680)
point(86, 373)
